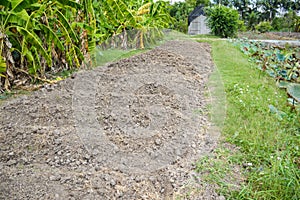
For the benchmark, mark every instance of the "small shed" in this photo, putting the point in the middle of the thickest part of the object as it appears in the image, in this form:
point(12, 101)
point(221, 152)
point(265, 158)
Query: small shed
point(196, 22)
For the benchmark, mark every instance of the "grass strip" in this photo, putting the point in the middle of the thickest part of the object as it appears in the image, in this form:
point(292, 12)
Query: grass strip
point(268, 142)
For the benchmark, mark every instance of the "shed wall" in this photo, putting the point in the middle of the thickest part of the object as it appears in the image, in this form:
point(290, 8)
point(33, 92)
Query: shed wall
point(198, 26)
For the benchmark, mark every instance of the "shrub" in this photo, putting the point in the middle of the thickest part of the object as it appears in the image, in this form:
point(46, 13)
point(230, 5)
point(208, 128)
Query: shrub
point(297, 25)
point(241, 26)
point(252, 21)
point(289, 22)
point(278, 23)
point(263, 27)
point(223, 21)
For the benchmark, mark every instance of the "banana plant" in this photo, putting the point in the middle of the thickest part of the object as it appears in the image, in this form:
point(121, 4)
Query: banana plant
point(138, 16)
point(41, 36)
point(90, 25)
point(2, 66)
point(2, 72)
point(151, 17)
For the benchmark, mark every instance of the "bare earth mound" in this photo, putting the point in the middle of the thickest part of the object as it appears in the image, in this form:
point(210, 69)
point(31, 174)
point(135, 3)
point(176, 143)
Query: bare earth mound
point(130, 130)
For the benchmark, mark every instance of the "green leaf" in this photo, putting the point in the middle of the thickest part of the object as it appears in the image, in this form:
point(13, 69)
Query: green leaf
point(51, 35)
point(63, 32)
point(6, 4)
point(271, 73)
point(283, 84)
point(72, 4)
point(294, 91)
point(2, 66)
point(79, 53)
point(67, 26)
point(32, 38)
point(82, 25)
point(36, 60)
point(19, 5)
point(20, 17)
point(277, 112)
point(32, 66)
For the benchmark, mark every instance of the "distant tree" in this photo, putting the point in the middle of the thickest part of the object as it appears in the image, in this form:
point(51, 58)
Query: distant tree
point(269, 8)
point(255, 11)
point(252, 20)
point(203, 2)
point(291, 5)
point(243, 6)
point(277, 23)
point(195, 3)
point(223, 21)
point(290, 19)
point(180, 12)
point(263, 27)
point(223, 2)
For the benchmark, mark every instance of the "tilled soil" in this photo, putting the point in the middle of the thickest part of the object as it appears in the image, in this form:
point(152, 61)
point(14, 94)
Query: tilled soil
point(270, 35)
point(132, 129)
point(293, 35)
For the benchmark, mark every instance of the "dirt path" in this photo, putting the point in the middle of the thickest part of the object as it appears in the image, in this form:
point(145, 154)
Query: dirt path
point(130, 130)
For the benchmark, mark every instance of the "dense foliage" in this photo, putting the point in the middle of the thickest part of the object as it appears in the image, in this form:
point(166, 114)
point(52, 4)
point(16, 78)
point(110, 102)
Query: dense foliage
point(180, 12)
point(282, 14)
point(223, 21)
point(39, 38)
point(289, 22)
point(263, 27)
point(255, 11)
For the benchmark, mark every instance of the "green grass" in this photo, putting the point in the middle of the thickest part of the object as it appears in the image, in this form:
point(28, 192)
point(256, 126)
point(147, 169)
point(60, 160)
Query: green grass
point(101, 57)
point(269, 153)
point(217, 93)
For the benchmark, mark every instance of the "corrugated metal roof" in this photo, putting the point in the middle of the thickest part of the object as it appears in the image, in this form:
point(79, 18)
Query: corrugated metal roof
point(196, 13)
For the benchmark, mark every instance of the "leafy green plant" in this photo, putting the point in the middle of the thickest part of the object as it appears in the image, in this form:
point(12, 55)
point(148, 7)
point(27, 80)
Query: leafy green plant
point(2, 66)
point(241, 26)
point(38, 39)
point(294, 91)
point(263, 27)
point(223, 21)
point(297, 24)
point(41, 36)
point(180, 12)
point(252, 20)
point(278, 62)
point(277, 23)
point(143, 18)
point(288, 22)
